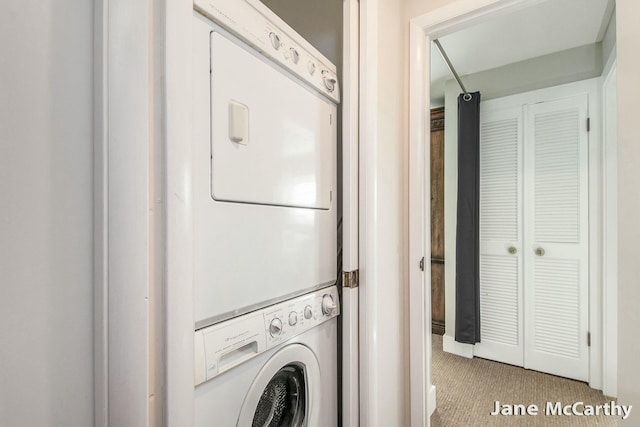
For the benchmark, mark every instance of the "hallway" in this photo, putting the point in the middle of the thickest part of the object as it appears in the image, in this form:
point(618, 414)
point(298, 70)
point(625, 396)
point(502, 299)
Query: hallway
point(468, 388)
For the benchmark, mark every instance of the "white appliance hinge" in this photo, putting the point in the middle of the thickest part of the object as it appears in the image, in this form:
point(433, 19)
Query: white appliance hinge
point(422, 264)
point(588, 339)
point(588, 124)
point(350, 279)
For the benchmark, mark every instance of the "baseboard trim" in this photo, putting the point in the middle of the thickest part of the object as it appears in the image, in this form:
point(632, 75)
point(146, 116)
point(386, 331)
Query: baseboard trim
point(450, 345)
point(431, 400)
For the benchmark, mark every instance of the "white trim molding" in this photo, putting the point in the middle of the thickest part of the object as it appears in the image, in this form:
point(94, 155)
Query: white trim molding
point(420, 226)
point(129, 214)
point(431, 402)
point(101, 223)
point(350, 143)
point(450, 345)
point(368, 235)
point(179, 358)
point(609, 236)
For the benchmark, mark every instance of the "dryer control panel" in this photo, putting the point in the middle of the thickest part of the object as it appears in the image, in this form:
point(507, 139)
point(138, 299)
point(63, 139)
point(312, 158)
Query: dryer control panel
point(264, 30)
point(225, 345)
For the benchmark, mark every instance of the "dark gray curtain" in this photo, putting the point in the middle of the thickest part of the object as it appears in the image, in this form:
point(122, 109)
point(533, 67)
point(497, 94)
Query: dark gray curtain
point(468, 237)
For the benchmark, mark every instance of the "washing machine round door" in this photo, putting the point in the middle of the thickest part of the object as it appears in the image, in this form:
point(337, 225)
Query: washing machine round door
point(286, 391)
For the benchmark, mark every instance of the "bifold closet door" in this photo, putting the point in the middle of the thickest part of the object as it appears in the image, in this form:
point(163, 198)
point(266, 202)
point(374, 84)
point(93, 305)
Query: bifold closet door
point(556, 237)
point(501, 273)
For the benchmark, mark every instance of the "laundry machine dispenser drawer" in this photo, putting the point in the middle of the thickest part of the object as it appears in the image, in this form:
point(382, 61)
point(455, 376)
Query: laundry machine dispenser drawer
point(272, 138)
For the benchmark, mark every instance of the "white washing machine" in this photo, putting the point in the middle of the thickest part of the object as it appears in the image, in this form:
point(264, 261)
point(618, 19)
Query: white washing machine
point(265, 129)
point(274, 367)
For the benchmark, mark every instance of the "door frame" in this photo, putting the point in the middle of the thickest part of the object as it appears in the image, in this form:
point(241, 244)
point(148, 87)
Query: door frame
point(142, 101)
point(423, 29)
point(609, 237)
point(128, 213)
point(350, 213)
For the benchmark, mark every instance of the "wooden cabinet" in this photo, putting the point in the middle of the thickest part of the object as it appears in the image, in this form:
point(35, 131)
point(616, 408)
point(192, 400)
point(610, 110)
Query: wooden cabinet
point(437, 221)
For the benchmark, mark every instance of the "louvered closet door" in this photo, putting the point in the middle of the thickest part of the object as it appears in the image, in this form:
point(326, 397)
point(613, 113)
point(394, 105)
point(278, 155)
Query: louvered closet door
point(501, 236)
point(556, 234)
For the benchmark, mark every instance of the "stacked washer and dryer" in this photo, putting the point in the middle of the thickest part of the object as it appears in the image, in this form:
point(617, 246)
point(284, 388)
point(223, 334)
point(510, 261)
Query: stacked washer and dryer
point(266, 303)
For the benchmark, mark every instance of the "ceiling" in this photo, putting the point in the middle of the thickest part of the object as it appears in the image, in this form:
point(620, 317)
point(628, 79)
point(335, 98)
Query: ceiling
point(547, 27)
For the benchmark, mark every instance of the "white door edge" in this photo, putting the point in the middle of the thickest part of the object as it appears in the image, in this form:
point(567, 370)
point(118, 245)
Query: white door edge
point(419, 235)
point(350, 213)
point(368, 124)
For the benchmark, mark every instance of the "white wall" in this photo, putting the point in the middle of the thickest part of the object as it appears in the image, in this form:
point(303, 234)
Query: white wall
point(628, 68)
point(391, 220)
point(609, 38)
point(384, 243)
point(566, 66)
point(46, 255)
point(580, 63)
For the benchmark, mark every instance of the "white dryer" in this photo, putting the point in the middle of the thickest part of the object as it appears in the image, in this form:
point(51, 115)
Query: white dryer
point(270, 368)
point(264, 160)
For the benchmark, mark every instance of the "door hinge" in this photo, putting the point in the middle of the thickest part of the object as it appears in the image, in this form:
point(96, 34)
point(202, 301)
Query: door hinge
point(422, 264)
point(350, 279)
point(588, 124)
point(588, 339)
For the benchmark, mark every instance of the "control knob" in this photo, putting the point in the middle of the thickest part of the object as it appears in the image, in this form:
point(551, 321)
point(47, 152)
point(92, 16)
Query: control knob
point(329, 81)
point(275, 40)
point(295, 56)
point(328, 305)
point(308, 313)
point(275, 328)
point(293, 318)
point(311, 67)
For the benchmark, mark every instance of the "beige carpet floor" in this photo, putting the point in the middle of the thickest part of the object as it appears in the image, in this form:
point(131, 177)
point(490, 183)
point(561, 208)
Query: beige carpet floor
point(467, 388)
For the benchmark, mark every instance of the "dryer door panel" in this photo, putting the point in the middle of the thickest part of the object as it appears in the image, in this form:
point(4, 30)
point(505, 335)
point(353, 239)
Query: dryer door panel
point(272, 139)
